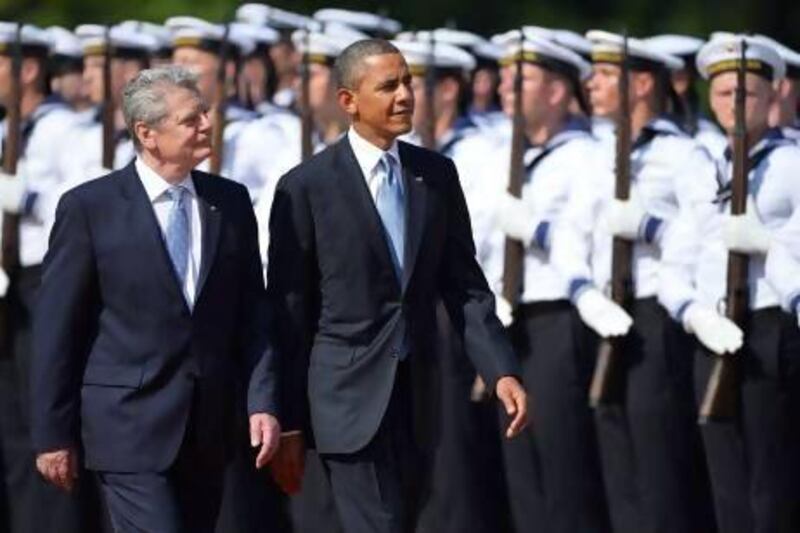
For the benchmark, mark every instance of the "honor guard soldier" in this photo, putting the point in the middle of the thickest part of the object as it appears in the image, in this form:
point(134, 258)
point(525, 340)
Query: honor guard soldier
point(481, 98)
point(30, 195)
point(558, 455)
point(467, 488)
point(201, 46)
point(752, 443)
point(280, 130)
point(646, 426)
point(283, 54)
point(684, 83)
point(129, 53)
point(66, 70)
point(784, 112)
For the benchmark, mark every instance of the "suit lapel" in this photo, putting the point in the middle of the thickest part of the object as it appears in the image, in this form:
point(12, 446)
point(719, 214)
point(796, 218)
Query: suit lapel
point(210, 219)
point(145, 229)
point(354, 187)
point(416, 202)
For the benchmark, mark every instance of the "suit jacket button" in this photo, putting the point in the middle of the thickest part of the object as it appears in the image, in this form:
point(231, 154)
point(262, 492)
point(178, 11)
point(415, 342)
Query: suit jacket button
point(396, 354)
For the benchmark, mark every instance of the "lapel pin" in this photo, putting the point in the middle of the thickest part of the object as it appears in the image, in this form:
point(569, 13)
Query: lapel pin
point(418, 178)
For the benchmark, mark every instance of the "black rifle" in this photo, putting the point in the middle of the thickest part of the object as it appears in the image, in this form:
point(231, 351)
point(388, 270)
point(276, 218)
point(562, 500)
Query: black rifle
point(108, 105)
point(720, 400)
point(11, 152)
point(514, 253)
point(607, 370)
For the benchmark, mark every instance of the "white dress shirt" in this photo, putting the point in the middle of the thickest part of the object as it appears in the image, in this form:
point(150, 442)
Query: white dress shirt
point(156, 188)
point(369, 156)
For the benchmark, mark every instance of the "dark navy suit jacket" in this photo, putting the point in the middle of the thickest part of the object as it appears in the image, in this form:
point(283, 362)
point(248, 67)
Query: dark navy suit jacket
point(120, 361)
point(341, 315)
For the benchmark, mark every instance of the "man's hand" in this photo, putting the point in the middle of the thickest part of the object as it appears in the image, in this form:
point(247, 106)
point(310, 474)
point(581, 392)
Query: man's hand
point(289, 463)
point(515, 220)
point(59, 467)
point(625, 218)
point(515, 400)
point(265, 432)
point(746, 233)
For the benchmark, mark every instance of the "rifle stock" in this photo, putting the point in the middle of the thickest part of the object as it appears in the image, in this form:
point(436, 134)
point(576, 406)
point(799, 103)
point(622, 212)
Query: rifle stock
point(720, 400)
point(218, 133)
point(514, 252)
point(607, 372)
point(11, 153)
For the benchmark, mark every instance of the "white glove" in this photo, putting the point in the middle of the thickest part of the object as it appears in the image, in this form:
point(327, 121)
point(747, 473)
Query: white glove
point(625, 218)
point(515, 219)
point(4, 282)
point(601, 314)
point(12, 190)
point(504, 311)
point(745, 233)
point(714, 331)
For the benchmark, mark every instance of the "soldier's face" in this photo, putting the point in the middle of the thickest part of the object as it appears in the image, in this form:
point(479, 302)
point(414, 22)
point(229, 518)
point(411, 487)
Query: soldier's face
point(203, 63)
point(5, 79)
point(535, 91)
point(604, 89)
point(122, 71)
point(383, 102)
point(183, 137)
point(759, 97)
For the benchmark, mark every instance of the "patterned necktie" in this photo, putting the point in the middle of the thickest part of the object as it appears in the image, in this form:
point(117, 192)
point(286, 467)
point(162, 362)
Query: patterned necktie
point(391, 207)
point(178, 232)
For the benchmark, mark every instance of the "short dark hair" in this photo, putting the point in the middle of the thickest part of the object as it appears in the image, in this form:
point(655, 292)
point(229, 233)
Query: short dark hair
point(348, 67)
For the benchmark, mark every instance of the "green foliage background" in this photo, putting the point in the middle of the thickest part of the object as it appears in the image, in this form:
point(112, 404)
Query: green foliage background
point(779, 18)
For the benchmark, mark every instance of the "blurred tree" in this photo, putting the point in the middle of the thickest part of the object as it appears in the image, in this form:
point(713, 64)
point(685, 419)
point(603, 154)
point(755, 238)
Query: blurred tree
point(641, 17)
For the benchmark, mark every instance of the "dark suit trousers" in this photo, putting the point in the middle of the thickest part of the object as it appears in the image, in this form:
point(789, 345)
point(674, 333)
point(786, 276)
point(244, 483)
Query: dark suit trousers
point(379, 489)
point(184, 499)
point(33, 505)
point(649, 442)
point(754, 460)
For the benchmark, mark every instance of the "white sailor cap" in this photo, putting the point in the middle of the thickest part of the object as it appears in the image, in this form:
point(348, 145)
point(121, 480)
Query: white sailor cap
point(323, 47)
point(64, 43)
point(199, 33)
point(483, 50)
point(540, 51)
point(280, 19)
point(125, 42)
point(566, 38)
point(790, 57)
point(262, 36)
point(366, 22)
point(723, 54)
point(161, 34)
point(684, 46)
point(419, 55)
point(33, 40)
point(607, 47)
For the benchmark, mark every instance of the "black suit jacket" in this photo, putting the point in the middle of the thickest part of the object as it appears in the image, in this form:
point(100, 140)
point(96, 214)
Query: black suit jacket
point(118, 355)
point(341, 314)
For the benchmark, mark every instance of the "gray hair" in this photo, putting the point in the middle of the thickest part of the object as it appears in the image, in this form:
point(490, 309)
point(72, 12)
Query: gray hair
point(143, 98)
point(349, 66)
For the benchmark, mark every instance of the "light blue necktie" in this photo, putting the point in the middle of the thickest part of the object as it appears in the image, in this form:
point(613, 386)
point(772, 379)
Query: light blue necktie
point(178, 232)
point(391, 207)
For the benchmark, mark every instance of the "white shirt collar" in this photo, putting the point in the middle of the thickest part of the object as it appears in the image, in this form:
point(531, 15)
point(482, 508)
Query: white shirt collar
point(367, 154)
point(155, 186)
